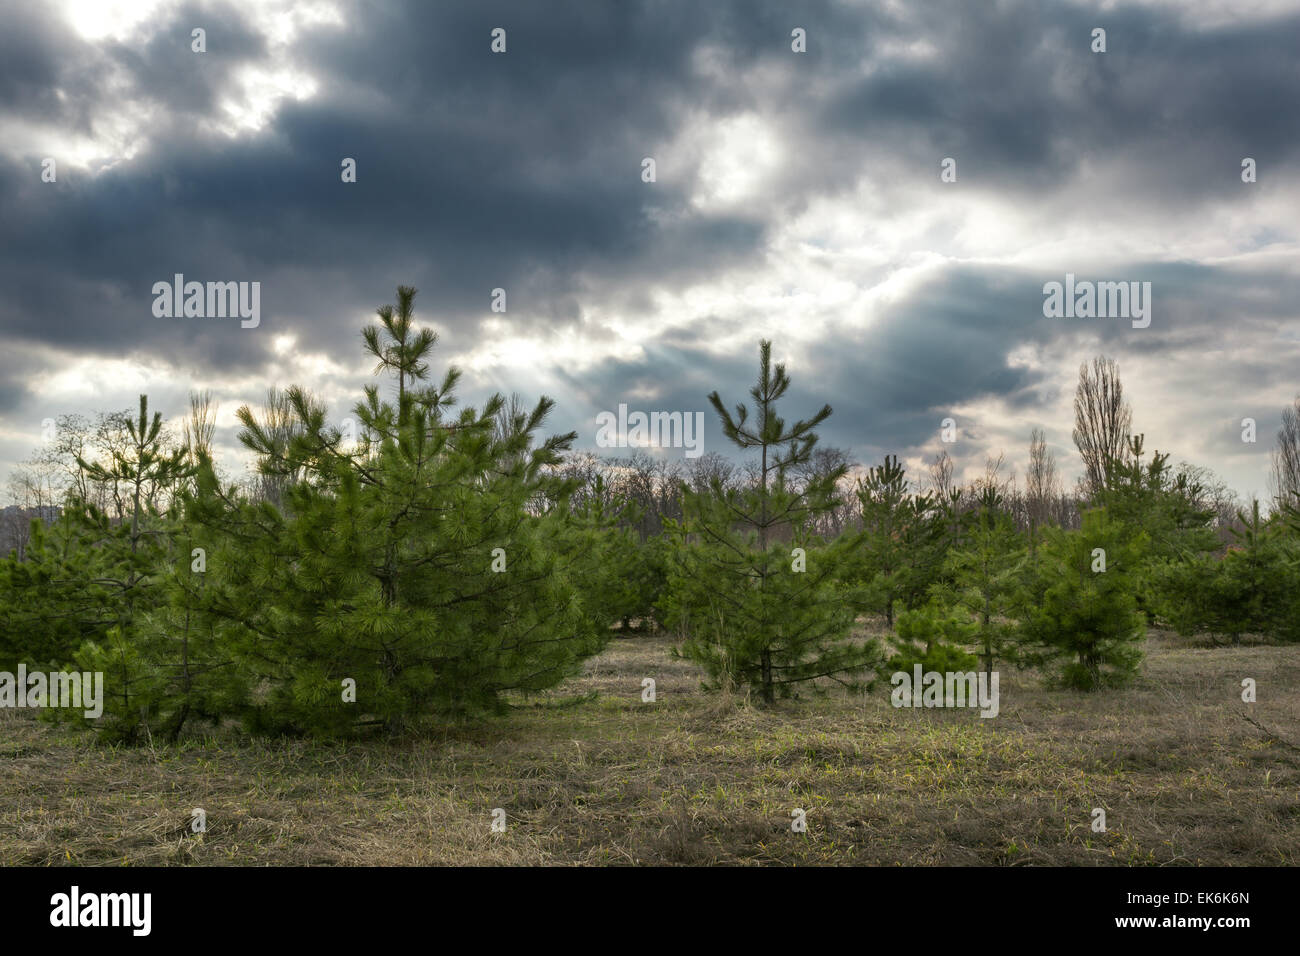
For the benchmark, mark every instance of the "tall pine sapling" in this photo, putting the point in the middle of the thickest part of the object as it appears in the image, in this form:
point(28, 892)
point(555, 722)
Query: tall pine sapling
point(985, 574)
point(761, 598)
point(902, 539)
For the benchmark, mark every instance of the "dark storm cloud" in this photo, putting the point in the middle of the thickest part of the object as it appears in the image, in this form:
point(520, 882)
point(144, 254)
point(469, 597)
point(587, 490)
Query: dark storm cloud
point(1017, 96)
point(476, 171)
point(521, 171)
point(12, 374)
point(31, 46)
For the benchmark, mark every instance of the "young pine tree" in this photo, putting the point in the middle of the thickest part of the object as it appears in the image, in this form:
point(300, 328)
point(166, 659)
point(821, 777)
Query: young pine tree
point(62, 594)
point(1087, 627)
point(1163, 504)
point(627, 567)
point(985, 574)
point(900, 549)
point(1251, 589)
point(934, 636)
point(429, 571)
point(759, 597)
point(100, 578)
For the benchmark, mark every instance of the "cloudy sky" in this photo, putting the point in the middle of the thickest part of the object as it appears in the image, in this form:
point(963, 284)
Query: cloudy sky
point(798, 196)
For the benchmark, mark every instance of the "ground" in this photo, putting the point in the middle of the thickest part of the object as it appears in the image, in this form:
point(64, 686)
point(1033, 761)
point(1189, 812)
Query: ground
point(1186, 773)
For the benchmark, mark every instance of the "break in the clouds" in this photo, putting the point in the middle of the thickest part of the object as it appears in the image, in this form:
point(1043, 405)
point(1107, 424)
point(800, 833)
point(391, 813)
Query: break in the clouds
point(799, 196)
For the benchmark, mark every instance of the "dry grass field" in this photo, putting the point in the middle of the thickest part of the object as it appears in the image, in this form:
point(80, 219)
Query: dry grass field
point(1186, 772)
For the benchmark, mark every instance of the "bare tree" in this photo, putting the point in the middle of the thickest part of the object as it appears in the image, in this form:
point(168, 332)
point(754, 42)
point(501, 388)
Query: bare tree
point(639, 479)
point(200, 426)
point(34, 491)
point(825, 460)
point(1284, 481)
point(112, 440)
point(1042, 484)
point(941, 475)
point(70, 441)
point(1102, 421)
point(701, 471)
point(1205, 491)
point(672, 472)
point(993, 485)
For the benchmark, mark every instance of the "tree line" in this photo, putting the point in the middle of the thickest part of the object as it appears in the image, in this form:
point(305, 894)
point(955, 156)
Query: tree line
point(444, 558)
